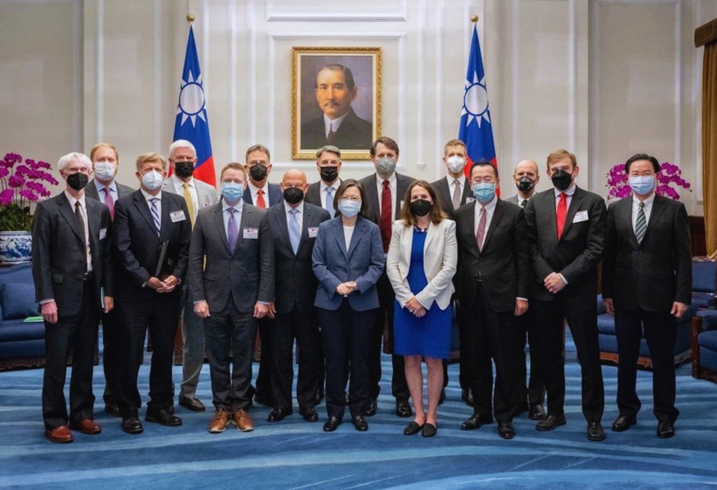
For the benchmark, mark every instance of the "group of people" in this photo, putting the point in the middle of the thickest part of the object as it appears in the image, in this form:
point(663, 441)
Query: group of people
point(342, 268)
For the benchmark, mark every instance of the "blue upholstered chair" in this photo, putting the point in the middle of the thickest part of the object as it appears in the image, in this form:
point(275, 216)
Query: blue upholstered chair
point(704, 345)
point(21, 344)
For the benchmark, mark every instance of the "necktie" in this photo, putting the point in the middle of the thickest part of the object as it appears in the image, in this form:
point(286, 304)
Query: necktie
point(386, 218)
point(329, 205)
point(294, 230)
point(480, 235)
point(155, 214)
point(640, 224)
point(81, 224)
point(330, 136)
point(109, 202)
point(260, 202)
point(561, 213)
point(190, 203)
point(523, 203)
point(232, 230)
point(457, 194)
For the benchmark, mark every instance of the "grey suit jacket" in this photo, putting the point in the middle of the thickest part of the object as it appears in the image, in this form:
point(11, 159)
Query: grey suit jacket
point(444, 195)
point(373, 209)
point(206, 194)
point(91, 191)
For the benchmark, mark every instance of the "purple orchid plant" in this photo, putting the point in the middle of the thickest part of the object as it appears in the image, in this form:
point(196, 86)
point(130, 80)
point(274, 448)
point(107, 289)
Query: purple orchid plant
point(21, 183)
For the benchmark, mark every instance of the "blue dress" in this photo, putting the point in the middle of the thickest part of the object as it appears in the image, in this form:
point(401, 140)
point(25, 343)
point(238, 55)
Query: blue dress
point(429, 336)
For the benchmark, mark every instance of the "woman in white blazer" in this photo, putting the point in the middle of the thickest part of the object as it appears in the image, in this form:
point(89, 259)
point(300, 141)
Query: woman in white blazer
point(421, 263)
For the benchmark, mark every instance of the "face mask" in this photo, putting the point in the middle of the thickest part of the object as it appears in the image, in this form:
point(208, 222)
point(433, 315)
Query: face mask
point(258, 172)
point(329, 174)
point(386, 165)
point(293, 195)
point(152, 180)
point(642, 185)
point(184, 169)
point(525, 184)
point(562, 180)
point(232, 191)
point(420, 207)
point(77, 181)
point(484, 192)
point(455, 164)
point(349, 208)
point(104, 170)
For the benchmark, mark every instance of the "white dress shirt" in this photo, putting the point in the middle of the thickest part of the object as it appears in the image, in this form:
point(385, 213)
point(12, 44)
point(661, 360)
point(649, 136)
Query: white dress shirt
point(636, 209)
point(100, 190)
point(324, 187)
point(299, 215)
point(489, 211)
point(178, 185)
point(333, 124)
point(237, 216)
point(452, 185)
point(83, 212)
point(568, 192)
point(254, 189)
point(392, 183)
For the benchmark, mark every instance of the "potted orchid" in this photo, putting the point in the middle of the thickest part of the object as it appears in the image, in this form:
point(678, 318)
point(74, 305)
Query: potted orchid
point(669, 180)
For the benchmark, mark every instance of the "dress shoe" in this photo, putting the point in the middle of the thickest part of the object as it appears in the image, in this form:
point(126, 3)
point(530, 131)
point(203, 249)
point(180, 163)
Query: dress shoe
point(595, 432)
point(243, 420)
point(442, 397)
point(360, 423)
point(412, 429)
point(278, 414)
point(263, 400)
point(665, 430)
point(163, 417)
point(467, 396)
point(132, 425)
point(220, 421)
point(506, 430)
point(370, 408)
point(476, 421)
point(429, 430)
point(112, 409)
point(551, 422)
point(623, 422)
point(86, 426)
point(403, 409)
point(309, 414)
point(59, 435)
point(332, 424)
point(537, 412)
point(193, 403)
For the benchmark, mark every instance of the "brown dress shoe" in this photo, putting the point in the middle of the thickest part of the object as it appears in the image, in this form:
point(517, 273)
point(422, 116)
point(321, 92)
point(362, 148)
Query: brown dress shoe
point(220, 421)
point(243, 420)
point(60, 435)
point(86, 426)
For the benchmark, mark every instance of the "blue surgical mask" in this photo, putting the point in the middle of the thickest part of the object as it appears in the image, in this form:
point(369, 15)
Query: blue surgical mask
point(642, 185)
point(152, 180)
point(484, 192)
point(349, 208)
point(232, 191)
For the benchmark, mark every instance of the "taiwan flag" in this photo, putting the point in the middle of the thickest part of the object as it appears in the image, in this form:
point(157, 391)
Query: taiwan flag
point(191, 123)
point(476, 129)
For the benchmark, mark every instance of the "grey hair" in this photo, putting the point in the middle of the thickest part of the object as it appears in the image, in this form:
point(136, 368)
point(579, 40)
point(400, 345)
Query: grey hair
point(329, 148)
point(64, 161)
point(181, 144)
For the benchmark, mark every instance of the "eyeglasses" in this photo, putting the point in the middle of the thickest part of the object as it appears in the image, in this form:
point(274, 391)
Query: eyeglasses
point(257, 162)
point(351, 198)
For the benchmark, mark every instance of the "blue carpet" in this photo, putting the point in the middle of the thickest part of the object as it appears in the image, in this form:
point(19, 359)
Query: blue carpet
point(294, 454)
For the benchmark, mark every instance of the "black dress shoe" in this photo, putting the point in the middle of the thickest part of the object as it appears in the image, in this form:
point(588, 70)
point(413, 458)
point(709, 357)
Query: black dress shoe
point(467, 396)
point(403, 409)
point(309, 414)
point(360, 423)
point(370, 408)
point(443, 397)
point(476, 422)
point(412, 429)
point(623, 422)
point(429, 430)
point(537, 412)
point(332, 424)
point(595, 432)
point(506, 430)
point(132, 425)
point(278, 414)
point(550, 422)
point(163, 417)
point(112, 409)
point(665, 430)
point(193, 403)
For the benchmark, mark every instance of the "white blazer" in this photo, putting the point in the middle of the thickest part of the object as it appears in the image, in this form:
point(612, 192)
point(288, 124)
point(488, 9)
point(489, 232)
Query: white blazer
point(440, 256)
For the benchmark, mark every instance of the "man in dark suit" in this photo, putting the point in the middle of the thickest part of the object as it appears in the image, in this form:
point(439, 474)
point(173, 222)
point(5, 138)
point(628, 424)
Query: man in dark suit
point(151, 241)
point(294, 225)
point(71, 264)
point(566, 228)
point(646, 284)
point(338, 125)
point(321, 193)
point(104, 188)
point(231, 279)
point(385, 191)
point(493, 293)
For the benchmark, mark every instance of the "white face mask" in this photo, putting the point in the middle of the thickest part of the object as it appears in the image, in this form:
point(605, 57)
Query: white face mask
point(105, 170)
point(455, 163)
point(152, 180)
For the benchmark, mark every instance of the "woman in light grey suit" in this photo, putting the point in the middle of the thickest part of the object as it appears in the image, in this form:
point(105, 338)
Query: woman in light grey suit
point(348, 260)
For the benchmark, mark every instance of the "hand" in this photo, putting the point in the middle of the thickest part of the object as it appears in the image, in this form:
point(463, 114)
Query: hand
point(521, 306)
point(419, 312)
point(609, 307)
point(49, 312)
point(260, 310)
point(343, 289)
point(171, 281)
point(155, 283)
point(412, 305)
point(352, 286)
point(679, 309)
point(272, 310)
point(109, 304)
point(201, 309)
point(554, 283)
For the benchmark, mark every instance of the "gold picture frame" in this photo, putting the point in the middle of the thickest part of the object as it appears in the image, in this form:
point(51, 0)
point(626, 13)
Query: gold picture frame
point(311, 106)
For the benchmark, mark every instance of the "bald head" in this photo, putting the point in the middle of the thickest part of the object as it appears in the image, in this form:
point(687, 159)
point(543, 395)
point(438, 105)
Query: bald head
point(294, 186)
point(526, 177)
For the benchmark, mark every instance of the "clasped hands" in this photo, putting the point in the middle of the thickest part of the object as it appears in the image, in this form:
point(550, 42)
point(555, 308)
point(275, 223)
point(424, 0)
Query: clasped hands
point(165, 286)
point(201, 309)
point(346, 288)
point(554, 283)
point(415, 307)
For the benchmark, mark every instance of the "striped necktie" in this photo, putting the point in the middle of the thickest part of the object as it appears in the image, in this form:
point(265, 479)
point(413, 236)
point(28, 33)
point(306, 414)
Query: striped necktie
point(640, 224)
point(155, 214)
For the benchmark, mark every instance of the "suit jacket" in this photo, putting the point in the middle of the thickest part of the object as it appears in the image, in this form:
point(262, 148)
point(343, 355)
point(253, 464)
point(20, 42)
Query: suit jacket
point(373, 208)
point(333, 265)
point(91, 191)
point(503, 265)
point(439, 264)
point(206, 194)
point(296, 283)
point(353, 134)
point(658, 271)
point(313, 195)
point(58, 255)
point(216, 273)
point(137, 246)
point(446, 197)
point(275, 195)
point(514, 200)
point(580, 248)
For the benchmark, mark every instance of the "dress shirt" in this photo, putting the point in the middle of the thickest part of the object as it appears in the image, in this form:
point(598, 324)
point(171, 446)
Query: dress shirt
point(569, 193)
point(237, 216)
point(489, 211)
point(148, 197)
point(335, 186)
point(178, 185)
point(83, 211)
point(253, 189)
point(392, 183)
point(647, 209)
point(452, 185)
point(333, 124)
point(299, 215)
point(100, 190)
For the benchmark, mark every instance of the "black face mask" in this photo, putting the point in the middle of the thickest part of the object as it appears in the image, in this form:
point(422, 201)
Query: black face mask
point(258, 172)
point(329, 174)
point(562, 180)
point(77, 181)
point(420, 207)
point(525, 184)
point(293, 195)
point(184, 169)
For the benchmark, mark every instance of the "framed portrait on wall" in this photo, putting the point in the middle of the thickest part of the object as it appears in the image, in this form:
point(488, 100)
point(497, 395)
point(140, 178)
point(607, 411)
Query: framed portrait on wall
point(336, 100)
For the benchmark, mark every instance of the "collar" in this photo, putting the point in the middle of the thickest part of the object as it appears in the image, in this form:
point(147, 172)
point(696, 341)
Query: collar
point(648, 202)
point(334, 123)
point(335, 185)
point(300, 207)
point(461, 180)
point(148, 196)
point(238, 206)
point(569, 191)
point(72, 200)
point(179, 183)
point(488, 207)
point(99, 186)
point(391, 180)
point(254, 188)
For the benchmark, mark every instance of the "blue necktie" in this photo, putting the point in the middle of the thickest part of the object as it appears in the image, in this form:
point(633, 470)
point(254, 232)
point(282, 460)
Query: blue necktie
point(155, 214)
point(294, 230)
point(232, 230)
point(330, 201)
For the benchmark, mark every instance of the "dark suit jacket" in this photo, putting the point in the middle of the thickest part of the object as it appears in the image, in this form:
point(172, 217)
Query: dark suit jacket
point(579, 250)
point(446, 197)
point(655, 273)
point(373, 209)
point(247, 273)
point(296, 283)
point(91, 191)
point(313, 195)
point(273, 190)
point(353, 134)
point(137, 246)
point(503, 265)
point(58, 255)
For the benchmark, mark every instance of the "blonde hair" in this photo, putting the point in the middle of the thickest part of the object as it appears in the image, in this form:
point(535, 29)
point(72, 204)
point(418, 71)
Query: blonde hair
point(150, 157)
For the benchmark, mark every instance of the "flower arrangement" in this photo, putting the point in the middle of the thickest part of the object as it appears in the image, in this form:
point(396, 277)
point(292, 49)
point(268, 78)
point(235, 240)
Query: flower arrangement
point(619, 186)
point(21, 184)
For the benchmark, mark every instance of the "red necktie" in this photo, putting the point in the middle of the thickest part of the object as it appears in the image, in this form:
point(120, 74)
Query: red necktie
point(109, 202)
point(260, 202)
point(481, 228)
point(561, 213)
point(386, 215)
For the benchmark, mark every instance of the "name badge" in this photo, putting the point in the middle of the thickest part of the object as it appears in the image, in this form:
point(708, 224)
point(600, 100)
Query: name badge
point(580, 216)
point(103, 233)
point(470, 200)
point(313, 232)
point(251, 233)
point(177, 216)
